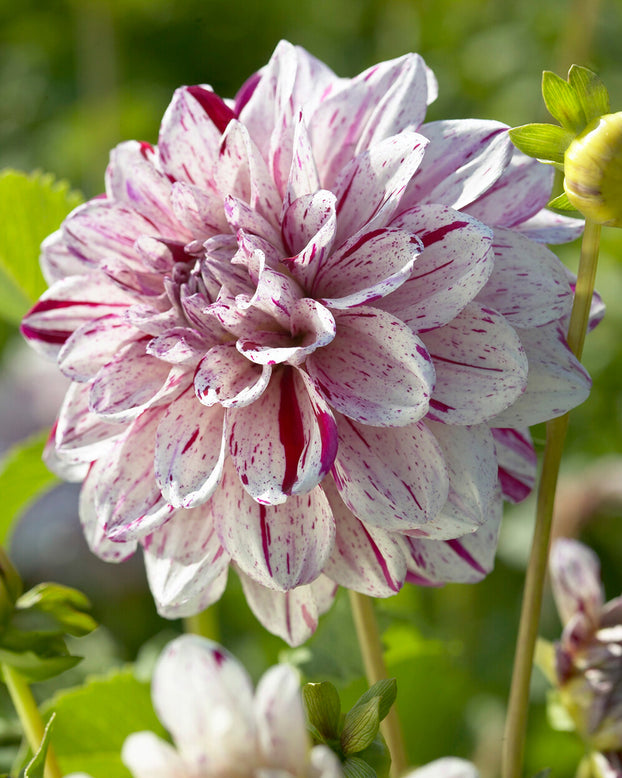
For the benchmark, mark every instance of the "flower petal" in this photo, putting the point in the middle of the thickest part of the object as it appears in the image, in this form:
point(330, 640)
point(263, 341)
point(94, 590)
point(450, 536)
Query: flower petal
point(376, 370)
point(517, 462)
point(454, 265)
point(148, 756)
point(57, 262)
point(556, 383)
point(392, 478)
point(225, 376)
point(447, 767)
point(279, 546)
point(464, 560)
point(292, 615)
point(529, 284)
point(481, 367)
point(281, 727)
point(470, 457)
point(369, 189)
point(94, 344)
point(285, 442)
point(464, 158)
point(186, 564)
point(364, 559)
point(549, 227)
point(204, 698)
point(190, 451)
point(575, 579)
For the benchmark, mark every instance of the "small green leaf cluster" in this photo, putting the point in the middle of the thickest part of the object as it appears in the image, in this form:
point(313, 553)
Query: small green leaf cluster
point(586, 147)
point(33, 624)
point(353, 736)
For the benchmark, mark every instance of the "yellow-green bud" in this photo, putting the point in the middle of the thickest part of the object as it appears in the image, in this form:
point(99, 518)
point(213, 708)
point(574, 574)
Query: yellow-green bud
point(593, 170)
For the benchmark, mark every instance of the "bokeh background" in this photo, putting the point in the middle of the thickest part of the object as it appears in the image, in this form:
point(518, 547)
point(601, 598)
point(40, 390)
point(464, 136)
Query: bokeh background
point(79, 76)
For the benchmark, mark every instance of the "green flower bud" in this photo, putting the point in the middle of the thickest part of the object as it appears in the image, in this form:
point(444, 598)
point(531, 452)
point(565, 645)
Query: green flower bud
point(593, 171)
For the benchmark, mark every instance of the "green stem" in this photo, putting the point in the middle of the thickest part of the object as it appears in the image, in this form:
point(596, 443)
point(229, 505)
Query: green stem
point(29, 716)
point(204, 623)
point(516, 721)
point(375, 670)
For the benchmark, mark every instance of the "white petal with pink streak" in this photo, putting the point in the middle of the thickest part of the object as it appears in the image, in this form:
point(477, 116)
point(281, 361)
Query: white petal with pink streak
point(392, 478)
point(190, 450)
point(279, 546)
point(285, 442)
point(376, 370)
point(517, 462)
point(481, 367)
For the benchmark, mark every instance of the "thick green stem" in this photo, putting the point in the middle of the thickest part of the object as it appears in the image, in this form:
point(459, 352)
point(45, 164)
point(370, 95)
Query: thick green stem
point(375, 670)
point(29, 716)
point(204, 623)
point(516, 721)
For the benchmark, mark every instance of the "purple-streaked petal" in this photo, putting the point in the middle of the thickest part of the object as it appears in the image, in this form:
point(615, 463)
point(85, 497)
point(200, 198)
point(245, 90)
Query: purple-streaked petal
point(94, 344)
point(179, 346)
point(128, 500)
point(523, 189)
point(369, 190)
point(281, 727)
point(148, 756)
point(189, 140)
point(364, 559)
point(468, 559)
point(517, 462)
point(529, 284)
point(556, 382)
point(190, 450)
point(131, 382)
point(285, 442)
point(57, 262)
point(392, 478)
point(293, 615)
point(225, 376)
point(470, 457)
point(454, 265)
point(68, 305)
point(464, 158)
point(276, 294)
point(481, 367)
point(242, 172)
point(80, 435)
point(550, 227)
point(133, 181)
point(70, 468)
point(309, 227)
point(186, 564)
point(597, 306)
point(376, 370)
point(366, 268)
point(279, 546)
point(92, 521)
point(575, 579)
point(303, 177)
point(201, 211)
point(204, 698)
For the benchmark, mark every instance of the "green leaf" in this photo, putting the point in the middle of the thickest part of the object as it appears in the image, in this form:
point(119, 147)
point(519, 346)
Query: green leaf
point(590, 91)
point(35, 667)
point(544, 141)
point(562, 102)
point(354, 767)
point(323, 708)
point(386, 689)
point(31, 207)
point(360, 726)
point(36, 766)
point(23, 478)
point(377, 756)
point(93, 721)
point(562, 203)
point(64, 604)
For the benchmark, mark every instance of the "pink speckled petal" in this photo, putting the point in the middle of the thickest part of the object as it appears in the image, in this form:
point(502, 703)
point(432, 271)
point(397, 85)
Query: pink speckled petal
point(575, 579)
point(392, 478)
point(94, 344)
point(517, 462)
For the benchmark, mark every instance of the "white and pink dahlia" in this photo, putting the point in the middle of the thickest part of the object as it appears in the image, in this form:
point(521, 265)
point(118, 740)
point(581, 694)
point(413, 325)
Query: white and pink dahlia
point(306, 335)
point(220, 726)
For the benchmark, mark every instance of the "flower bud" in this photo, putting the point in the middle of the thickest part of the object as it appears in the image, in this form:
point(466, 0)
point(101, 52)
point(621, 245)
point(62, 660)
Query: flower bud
point(593, 170)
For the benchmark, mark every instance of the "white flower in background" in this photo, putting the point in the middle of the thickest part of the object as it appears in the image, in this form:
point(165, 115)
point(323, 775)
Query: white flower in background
point(220, 726)
point(447, 767)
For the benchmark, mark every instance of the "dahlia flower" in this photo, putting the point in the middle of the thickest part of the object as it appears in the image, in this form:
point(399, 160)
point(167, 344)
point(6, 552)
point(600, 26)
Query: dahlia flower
point(205, 699)
point(586, 666)
point(306, 335)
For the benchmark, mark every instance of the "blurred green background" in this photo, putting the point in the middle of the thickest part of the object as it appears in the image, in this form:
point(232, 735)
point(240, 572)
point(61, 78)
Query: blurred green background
point(79, 76)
